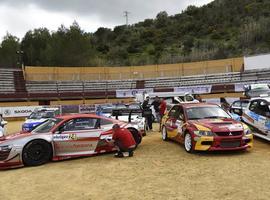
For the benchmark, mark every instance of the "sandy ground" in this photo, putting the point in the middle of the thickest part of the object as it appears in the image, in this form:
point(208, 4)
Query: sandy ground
point(158, 170)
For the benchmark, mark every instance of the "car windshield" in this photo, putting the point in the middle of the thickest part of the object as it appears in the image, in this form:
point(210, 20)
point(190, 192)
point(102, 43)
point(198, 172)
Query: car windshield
point(47, 125)
point(41, 114)
point(206, 113)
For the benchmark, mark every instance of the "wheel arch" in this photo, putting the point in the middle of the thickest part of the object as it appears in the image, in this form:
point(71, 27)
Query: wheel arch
point(135, 131)
point(39, 139)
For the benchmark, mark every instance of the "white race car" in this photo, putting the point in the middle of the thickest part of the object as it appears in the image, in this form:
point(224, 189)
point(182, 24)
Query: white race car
point(257, 115)
point(131, 113)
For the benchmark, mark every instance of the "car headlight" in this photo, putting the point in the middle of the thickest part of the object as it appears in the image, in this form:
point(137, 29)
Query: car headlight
point(203, 133)
point(247, 131)
point(6, 148)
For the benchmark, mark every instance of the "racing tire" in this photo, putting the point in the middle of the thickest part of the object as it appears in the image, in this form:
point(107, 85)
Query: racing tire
point(188, 141)
point(164, 134)
point(137, 137)
point(36, 152)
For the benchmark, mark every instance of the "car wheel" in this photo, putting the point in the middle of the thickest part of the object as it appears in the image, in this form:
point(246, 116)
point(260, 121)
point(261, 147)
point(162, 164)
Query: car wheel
point(36, 152)
point(137, 137)
point(188, 143)
point(164, 134)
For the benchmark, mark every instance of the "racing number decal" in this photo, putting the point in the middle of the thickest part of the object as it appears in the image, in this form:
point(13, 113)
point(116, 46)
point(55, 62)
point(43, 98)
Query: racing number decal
point(72, 136)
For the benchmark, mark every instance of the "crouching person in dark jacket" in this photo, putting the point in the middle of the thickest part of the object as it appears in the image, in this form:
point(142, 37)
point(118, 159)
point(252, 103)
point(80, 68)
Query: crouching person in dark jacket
point(124, 141)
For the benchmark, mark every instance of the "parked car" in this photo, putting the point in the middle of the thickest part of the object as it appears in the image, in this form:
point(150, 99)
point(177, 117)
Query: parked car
point(238, 106)
point(131, 113)
point(255, 90)
point(61, 138)
point(205, 127)
point(39, 116)
point(257, 115)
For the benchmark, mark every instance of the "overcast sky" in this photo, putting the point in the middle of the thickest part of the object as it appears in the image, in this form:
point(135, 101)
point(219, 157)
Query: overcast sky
point(19, 16)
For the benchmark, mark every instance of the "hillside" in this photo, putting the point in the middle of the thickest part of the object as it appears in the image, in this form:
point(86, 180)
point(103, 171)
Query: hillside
point(221, 29)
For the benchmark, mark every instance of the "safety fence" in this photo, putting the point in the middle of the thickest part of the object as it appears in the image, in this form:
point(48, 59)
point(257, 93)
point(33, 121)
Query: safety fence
point(132, 72)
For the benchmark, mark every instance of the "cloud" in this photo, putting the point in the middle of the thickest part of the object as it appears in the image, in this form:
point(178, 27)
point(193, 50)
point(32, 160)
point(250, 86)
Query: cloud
point(19, 16)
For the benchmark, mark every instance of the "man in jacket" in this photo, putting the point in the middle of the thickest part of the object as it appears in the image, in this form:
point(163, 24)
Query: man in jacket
point(124, 141)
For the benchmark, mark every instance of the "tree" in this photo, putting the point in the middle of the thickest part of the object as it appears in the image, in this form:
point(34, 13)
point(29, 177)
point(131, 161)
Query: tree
point(8, 51)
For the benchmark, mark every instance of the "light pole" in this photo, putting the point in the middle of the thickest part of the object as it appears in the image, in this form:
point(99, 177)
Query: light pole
point(20, 58)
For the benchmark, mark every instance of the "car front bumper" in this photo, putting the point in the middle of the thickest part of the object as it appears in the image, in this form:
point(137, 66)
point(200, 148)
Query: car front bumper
point(207, 143)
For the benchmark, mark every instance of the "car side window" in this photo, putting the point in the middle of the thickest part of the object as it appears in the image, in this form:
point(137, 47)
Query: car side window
point(105, 122)
point(176, 112)
point(79, 124)
point(173, 111)
point(236, 104)
point(253, 106)
point(263, 109)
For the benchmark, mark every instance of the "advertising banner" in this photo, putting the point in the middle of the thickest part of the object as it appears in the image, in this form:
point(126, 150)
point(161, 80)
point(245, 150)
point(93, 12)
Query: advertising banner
point(239, 87)
point(23, 111)
point(91, 108)
point(67, 109)
point(200, 89)
point(133, 92)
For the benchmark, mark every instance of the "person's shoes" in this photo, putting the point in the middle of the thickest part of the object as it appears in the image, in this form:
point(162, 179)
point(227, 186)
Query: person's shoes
point(126, 154)
point(130, 154)
point(119, 155)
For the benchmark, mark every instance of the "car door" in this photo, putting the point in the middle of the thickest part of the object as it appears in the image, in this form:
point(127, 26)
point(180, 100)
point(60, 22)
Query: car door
point(236, 108)
point(254, 115)
point(264, 114)
point(174, 121)
point(77, 136)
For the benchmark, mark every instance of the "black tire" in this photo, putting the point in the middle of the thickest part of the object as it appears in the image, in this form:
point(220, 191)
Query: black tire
point(36, 152)
point(188, 143)
point(164, 134)
point(137, 137)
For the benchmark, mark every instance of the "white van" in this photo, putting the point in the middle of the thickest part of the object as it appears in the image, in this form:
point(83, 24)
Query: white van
point(169, 97)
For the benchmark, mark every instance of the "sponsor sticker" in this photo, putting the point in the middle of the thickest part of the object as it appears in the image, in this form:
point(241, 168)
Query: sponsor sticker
point(64, 137)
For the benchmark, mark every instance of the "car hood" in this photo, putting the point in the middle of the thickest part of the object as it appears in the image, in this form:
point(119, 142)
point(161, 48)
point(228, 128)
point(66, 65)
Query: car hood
point(14, 136)
point(217, 125)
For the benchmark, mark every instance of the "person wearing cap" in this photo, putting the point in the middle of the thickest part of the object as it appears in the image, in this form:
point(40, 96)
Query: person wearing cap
point(123, 140)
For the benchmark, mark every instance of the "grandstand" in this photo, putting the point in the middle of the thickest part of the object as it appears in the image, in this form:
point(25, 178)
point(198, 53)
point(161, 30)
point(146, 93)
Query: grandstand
point(47, 83)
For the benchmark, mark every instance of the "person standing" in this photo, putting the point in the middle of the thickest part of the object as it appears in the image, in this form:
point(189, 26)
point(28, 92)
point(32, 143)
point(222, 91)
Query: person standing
point(147, 113)
point(123, 140)
point(162, 110)
point(156, 104)
point(224, 104)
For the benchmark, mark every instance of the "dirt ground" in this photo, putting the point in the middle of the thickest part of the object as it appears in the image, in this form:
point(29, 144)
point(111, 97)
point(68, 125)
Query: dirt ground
point(158, 170)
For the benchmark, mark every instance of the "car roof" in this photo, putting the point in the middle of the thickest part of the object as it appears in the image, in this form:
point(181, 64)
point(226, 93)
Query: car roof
point(263, 98)
point(72, 116)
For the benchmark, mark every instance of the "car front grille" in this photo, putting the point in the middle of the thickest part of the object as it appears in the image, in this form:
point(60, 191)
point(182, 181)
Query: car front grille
point(233, 133)
point(230, 144)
